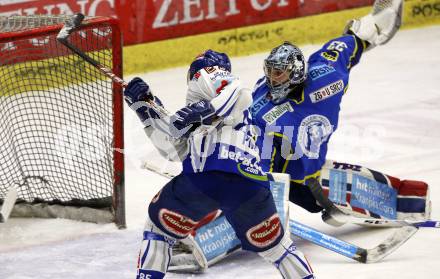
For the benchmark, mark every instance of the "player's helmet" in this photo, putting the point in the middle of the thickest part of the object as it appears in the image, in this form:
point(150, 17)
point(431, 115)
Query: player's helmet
point(284, 67)
point(209, 58)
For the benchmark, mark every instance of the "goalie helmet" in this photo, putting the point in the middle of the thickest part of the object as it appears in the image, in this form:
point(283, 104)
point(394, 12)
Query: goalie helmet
point(209, 58)
point(284, 68)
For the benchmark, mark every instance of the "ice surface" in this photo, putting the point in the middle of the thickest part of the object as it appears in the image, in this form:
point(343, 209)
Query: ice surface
point(390, 121)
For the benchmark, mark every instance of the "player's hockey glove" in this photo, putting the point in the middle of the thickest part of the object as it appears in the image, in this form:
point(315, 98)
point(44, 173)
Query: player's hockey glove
point(198, 113)
point(137, 94)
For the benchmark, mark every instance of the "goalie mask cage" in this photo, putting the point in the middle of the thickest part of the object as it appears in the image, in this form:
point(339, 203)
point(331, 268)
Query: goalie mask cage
point(61, 120)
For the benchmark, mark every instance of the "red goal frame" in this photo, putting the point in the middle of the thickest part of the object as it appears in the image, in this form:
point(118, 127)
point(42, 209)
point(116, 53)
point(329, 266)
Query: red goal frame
point(118, 124)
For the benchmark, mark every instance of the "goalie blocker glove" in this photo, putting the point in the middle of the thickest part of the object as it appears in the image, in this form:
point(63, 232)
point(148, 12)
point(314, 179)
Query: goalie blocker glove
point(378, 27)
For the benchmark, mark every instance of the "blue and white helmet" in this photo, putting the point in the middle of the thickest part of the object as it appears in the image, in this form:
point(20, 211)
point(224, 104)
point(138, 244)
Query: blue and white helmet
point(209, 58)
point(284, 68)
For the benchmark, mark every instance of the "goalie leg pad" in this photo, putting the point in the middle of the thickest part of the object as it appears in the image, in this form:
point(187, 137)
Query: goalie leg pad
point(356, 190)
point(413, 201)
point(290, 262)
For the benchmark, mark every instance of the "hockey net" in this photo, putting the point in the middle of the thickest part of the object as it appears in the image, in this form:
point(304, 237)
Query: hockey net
point(61, 132)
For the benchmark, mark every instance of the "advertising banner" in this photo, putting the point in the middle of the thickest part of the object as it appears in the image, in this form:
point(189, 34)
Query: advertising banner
point(165, 33)
point(153, 20)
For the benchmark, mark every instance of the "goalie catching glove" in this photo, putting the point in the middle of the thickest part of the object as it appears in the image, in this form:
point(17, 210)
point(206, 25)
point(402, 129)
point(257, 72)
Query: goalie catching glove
point(378, 27)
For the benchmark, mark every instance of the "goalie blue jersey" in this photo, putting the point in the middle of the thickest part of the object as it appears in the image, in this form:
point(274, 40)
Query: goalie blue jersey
point(294, 134)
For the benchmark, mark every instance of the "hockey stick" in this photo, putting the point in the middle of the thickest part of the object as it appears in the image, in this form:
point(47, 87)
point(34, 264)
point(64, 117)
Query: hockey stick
point(157, 170)
point(163, 123)
point(8, 204)
point(62, 37)
point(346, 218)
point(352, 251)
point(341, 217)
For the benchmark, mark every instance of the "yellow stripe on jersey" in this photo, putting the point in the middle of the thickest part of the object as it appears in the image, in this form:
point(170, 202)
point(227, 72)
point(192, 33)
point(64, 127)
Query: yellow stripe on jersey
point(307, 177)
point(272, 160)
point(300, 100)
point(353, 55)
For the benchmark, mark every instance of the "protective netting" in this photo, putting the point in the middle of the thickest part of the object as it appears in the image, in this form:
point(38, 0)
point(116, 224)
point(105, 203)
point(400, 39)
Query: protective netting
point(56, 115)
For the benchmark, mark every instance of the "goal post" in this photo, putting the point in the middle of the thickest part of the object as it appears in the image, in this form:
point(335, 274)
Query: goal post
point(61, 121)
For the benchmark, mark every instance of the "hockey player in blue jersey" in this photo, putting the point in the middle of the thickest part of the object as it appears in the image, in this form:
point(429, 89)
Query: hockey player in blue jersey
point(211, 136)
point(296, 104)
point(297, 109)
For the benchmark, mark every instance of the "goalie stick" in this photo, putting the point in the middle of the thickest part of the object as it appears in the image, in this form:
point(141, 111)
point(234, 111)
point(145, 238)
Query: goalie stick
point(362, 255)
point(8, 204)
point(342, 217)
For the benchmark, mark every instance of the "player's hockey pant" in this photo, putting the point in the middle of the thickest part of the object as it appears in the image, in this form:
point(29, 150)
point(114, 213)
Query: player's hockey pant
point(247, 205)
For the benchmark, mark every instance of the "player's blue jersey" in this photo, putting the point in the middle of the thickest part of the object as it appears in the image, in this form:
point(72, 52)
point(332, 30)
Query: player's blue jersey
point(228, 145)
point(230, 149)
point(301, 127)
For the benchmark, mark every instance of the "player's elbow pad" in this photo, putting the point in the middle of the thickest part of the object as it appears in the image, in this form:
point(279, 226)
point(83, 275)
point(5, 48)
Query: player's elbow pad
point(378, 27)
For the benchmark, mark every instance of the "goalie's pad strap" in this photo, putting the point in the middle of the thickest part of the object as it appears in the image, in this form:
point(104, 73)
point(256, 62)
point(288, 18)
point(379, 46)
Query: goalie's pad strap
point(153, 236)
point(290, 262)
point(154, 255)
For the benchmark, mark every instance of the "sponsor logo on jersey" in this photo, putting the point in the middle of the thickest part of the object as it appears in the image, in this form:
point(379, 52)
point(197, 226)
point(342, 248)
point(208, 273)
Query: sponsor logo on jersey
point(176, 223)
point(331, 55)
point(244, 159)
point(320, 71)
point(265, 233)
point(247, 164)
point(252, 172)
point(220, 74)
point(258, 105)
point(210, 70)
point(327, 91)
point(276, 112)
point(313, 131)
point(197, 75)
